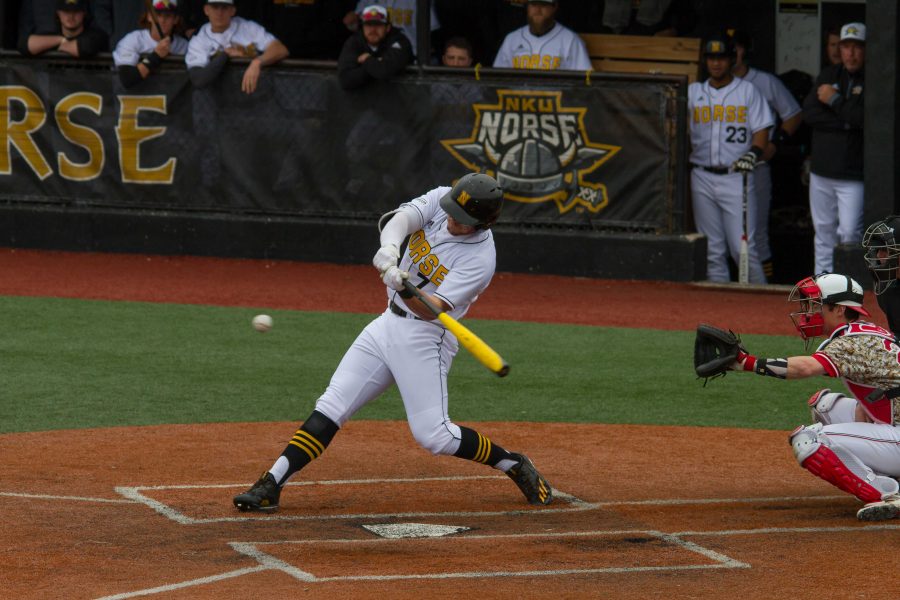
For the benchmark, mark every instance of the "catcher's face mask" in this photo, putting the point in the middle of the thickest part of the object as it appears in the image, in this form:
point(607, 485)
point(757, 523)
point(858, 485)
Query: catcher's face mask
point(808, 317)
point(882, 253)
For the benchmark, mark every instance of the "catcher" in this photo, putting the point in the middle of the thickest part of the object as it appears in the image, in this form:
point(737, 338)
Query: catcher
point(854, 442)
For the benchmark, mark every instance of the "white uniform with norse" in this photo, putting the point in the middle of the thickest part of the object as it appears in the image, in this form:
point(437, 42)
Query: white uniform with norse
point(722, 123)
point(559, 48)
point(859, 457)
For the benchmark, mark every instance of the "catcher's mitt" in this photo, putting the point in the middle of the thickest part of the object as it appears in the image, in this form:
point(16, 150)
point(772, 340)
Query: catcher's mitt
point(715, 350)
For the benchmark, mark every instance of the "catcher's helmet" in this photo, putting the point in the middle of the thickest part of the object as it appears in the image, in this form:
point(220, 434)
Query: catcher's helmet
point(883, 252)
point(719, 45)
point(475, 200)
point(813, 292)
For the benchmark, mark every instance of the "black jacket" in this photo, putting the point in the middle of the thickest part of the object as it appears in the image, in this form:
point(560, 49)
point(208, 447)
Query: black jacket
point(837, 139)
point(391, 57)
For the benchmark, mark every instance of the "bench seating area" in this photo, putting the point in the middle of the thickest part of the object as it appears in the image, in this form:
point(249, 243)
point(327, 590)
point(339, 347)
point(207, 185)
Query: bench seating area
point(644, 54)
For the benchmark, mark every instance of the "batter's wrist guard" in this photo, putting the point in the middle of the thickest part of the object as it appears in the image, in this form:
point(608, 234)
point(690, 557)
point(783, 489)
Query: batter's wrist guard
point(757, 151)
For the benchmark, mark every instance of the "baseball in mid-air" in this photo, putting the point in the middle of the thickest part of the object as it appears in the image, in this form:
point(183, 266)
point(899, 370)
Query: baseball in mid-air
point(262, 323)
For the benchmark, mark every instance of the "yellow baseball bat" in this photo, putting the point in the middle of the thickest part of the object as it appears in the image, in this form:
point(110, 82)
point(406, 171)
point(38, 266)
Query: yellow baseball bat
point(471, 342)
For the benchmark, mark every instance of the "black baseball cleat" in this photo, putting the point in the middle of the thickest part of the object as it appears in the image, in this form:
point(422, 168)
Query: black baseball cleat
point(536, 489)
point(262, 497)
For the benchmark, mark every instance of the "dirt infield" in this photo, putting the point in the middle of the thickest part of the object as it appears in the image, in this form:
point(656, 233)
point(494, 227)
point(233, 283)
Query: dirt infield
point(640, 511)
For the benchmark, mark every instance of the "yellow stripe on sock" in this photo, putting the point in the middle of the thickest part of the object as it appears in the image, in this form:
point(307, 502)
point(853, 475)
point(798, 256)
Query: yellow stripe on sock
point(304, 448)
point(314, 443)
point(484, 449)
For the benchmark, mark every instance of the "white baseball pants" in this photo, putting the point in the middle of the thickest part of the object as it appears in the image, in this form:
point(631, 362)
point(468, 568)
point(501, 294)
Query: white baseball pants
point(414, 354)
point(836, 206)
point(718, 214)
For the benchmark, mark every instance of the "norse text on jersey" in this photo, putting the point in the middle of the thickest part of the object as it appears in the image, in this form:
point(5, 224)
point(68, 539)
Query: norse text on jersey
point(429, 264)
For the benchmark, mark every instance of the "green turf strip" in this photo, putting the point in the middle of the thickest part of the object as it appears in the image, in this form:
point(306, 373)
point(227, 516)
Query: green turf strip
point(76, 363)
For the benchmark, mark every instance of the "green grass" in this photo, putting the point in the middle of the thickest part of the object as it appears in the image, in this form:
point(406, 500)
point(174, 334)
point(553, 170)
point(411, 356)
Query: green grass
point(68, 364)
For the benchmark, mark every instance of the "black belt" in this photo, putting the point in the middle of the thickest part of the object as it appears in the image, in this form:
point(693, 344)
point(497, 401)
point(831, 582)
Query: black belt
point(402, 313)
point(714, 170)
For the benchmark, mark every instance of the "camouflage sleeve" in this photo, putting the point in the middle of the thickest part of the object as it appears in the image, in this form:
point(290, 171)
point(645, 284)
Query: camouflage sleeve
point(867, 359)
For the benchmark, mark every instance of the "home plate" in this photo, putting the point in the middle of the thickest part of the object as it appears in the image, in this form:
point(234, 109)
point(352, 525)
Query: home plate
point(413, 530)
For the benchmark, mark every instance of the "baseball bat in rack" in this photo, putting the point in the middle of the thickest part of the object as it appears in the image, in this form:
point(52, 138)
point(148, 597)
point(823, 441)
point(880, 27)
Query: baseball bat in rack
point(744, 259)
point(471, 342)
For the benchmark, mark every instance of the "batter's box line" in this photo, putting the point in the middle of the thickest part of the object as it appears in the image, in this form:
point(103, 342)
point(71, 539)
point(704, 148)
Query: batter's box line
point(267, 562)
point(135, 494)
point(720, 561)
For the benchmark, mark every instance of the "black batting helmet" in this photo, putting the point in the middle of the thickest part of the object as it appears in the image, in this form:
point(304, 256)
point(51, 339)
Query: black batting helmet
point(475, 200)
point(718, 45)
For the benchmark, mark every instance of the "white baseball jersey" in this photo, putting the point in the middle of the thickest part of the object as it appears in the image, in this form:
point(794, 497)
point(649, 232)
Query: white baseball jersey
point(457, 268)
point(130, 48)
point(780, 100)
point(416, 355)
point(402, 14)
point(559, 48)
point(205, 44)
point(724, 120)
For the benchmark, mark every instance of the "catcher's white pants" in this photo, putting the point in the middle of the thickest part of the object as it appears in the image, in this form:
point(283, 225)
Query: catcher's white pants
point(836, 206)
point(876, 446)
point(414, 354)
point(718, 214)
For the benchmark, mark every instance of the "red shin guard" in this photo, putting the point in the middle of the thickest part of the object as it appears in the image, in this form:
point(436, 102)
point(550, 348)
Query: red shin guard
point(824, 463)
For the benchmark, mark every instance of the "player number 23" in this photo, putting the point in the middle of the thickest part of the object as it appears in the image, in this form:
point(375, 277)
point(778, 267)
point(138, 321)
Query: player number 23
point(736, 135)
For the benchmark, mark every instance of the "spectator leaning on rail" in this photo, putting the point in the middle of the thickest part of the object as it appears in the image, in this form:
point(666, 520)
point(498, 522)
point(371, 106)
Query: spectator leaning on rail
point(72, 33)
point(376, 53)
point(834, 110)
point(402, 15)
point(141, 52)
point(227, 36)
point(543, 43)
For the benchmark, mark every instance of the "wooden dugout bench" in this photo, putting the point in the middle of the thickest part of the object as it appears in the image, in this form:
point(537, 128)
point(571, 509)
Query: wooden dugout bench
point(644, 54)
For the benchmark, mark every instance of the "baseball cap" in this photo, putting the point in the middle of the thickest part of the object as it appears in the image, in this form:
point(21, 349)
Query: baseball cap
point(73, 5)
point(162, 6)
point(220, 2)
point(853, 31)
point(375, 14)
point(841, 289)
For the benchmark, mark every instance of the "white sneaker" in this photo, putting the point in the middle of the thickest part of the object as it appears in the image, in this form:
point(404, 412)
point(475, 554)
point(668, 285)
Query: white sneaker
point(889, 508)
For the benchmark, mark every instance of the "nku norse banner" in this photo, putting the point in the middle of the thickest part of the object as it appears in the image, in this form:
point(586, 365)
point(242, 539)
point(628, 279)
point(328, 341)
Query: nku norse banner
point(564, 151)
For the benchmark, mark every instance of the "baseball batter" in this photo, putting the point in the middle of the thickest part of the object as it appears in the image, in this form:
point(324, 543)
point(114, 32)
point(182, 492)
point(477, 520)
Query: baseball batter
point(448, 253)
point(729, 121)
point(782, 104)
point(142, 51)
point(854, 443)
point(542, 43)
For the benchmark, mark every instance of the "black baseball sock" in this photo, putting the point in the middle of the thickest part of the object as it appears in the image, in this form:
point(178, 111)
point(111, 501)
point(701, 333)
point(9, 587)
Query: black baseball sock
point(474, 446)
point(308, 443)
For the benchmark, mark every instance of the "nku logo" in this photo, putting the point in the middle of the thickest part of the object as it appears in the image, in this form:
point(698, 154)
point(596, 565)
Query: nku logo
point(537, 149)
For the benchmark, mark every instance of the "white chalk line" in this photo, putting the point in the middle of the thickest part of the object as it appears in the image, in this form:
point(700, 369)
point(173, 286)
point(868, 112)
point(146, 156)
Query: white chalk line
point(189, 583)
point(720, 561)
point(71, 498)
point(135, 494)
